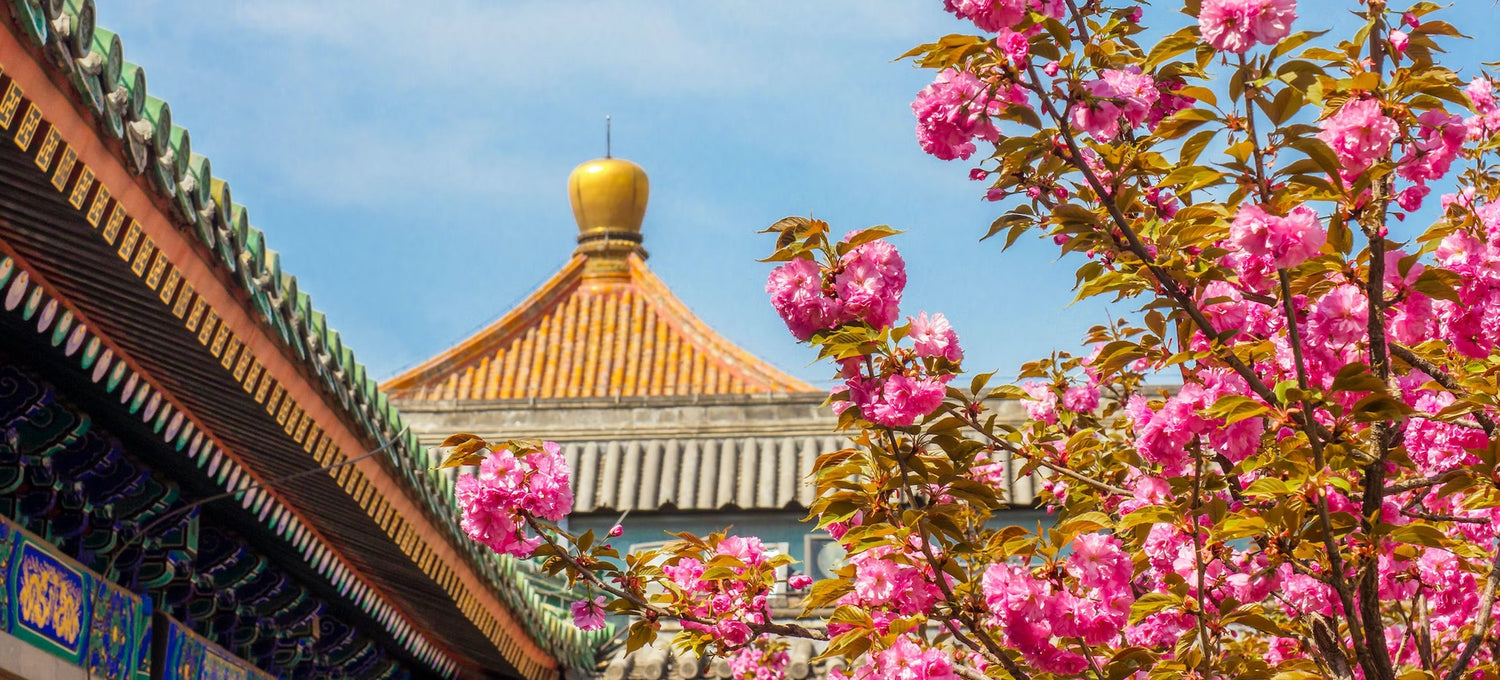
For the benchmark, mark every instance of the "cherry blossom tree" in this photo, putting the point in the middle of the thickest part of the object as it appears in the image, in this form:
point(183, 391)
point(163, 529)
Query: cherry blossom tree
point(1318, 497)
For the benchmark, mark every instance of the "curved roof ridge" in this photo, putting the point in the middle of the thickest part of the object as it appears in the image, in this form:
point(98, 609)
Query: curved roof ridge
point(538, 302)
point(619, 334)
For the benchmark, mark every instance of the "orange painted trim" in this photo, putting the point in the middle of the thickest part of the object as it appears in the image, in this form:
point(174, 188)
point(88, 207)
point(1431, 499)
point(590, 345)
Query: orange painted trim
point(136, 199)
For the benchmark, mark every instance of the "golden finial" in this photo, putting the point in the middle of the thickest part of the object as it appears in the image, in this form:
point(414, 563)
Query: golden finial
point(609, 203)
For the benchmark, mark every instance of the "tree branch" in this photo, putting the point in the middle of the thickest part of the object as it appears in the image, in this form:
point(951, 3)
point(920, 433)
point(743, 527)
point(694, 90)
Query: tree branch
point(1443, 378)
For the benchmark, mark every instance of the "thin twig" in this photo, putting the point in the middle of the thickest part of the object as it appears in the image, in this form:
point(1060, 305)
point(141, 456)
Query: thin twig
point(1443, 378)
point(1070, 474)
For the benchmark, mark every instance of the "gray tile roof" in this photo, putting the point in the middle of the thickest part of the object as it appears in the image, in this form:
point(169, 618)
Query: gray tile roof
point(748, 473)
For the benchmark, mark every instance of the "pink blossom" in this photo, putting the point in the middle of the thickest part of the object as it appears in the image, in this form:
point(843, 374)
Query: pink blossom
point(1281, 242)
point(495, 503)
point(1410, 198)
point(1360, 134)
point(799, 582)
point(996, 15)
point(1482, 93)
point(1487, 119)
point(952, 112)
point(1224, 306)
point(1014, 46)
point(903, 400)
point(1042, 402)
point(904, 660)
point(754, 663)
point(1340, 317)
point(1441, 138)
point(1117, 94)
point(871, 283)
point(589, 615)
point(796, 290)
point(1081, 398)
point(1237, 25)
point(1100, 562)
point(934, 337)
point(1399, 41)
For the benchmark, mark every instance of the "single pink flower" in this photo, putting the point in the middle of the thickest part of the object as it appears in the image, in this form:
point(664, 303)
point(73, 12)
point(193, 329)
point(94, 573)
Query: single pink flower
point(1399, 41)
point(1360, 134)
point(796, 290)
point(934, 337)
point(589, 615)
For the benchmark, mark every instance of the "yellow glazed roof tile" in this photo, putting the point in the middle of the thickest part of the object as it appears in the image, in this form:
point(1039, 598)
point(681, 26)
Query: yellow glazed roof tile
point(585, 336)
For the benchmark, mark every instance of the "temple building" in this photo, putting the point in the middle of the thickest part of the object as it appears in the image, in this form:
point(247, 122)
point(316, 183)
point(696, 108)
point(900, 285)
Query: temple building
point(659, 416)
point(197, 478)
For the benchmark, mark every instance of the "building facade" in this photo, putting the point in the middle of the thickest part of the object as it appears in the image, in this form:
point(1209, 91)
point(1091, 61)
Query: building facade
point(197, 478)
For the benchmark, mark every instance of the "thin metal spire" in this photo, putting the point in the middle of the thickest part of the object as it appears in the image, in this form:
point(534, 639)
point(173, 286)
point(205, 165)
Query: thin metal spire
point(607, 141)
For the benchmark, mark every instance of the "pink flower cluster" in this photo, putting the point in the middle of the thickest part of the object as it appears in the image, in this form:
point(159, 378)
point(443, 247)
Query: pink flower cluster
point(934, 337)
point(887, 584)
point(1237, 25)
point(1472, 323)
point(1117, 94)
point(509, 488)
point(997, 15)
point(1486, 121)
point(1360, 134)
point(1040, 616)
point(735, 605)
point(896, 400)
point(1162, 435)
point(754, 663)
point(1277, 242)
point(865, 286)
point(954, 111)
point(1428, 158)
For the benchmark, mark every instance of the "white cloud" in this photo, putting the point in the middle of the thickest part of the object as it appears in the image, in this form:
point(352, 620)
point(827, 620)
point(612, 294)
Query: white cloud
point(647, 48)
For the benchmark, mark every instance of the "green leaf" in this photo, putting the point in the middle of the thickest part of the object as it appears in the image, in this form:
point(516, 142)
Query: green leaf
point(824, 593)
point(1170, 46)
point(1255, 620)
point(1356, 377)
point(878, 231)
point(642, 633)
point(1420, 534)
point(1380, 406)
point(1234, 408)
point(1439, 284)
point(1151, 603)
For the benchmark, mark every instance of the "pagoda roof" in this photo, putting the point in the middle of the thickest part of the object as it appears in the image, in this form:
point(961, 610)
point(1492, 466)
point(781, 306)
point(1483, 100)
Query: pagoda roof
point(619, 333)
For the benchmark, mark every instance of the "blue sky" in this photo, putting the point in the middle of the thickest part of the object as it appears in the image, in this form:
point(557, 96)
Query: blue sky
point(409, 160)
